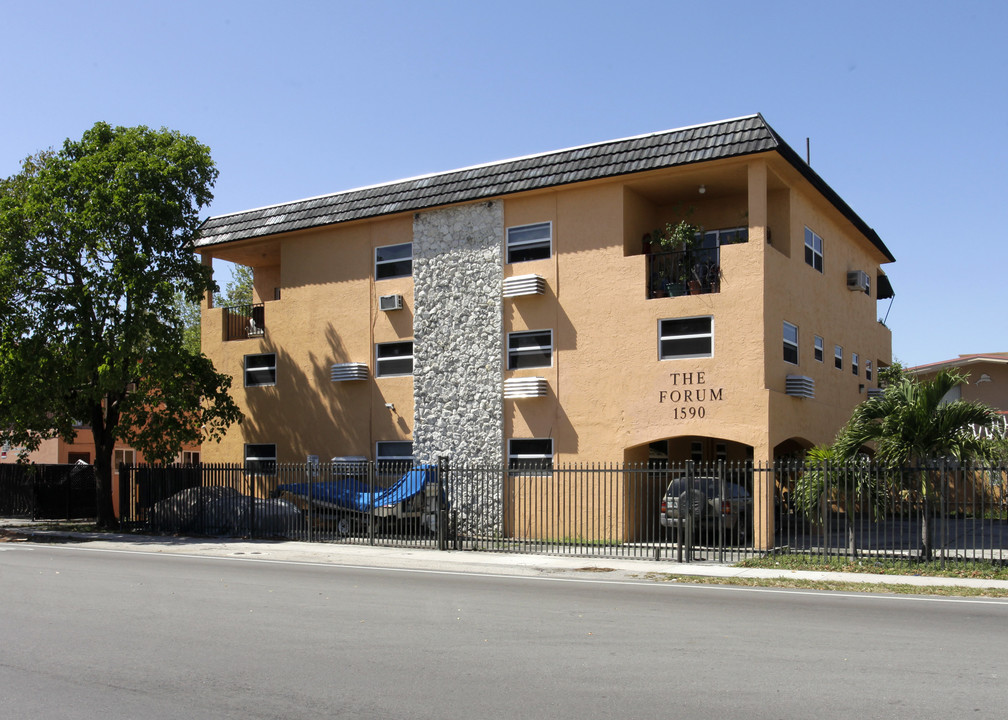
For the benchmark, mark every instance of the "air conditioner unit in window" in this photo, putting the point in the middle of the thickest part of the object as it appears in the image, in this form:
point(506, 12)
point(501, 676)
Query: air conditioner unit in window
point(387, 303)
point(857, 280)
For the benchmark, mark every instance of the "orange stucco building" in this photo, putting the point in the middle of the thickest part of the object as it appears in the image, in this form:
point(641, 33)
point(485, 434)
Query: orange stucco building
point(986, 382)
point(514, 311)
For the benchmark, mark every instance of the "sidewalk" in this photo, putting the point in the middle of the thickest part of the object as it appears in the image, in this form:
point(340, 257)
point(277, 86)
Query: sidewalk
point(430, 560)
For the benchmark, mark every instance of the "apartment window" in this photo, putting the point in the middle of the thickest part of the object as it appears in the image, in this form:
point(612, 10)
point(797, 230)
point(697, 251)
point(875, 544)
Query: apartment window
point(393, 261)
point(535, 454)
point(790, 343)
point(190, 457)
point(530, 349)
point(260, 370)
point(691, 337)
point(813, 250)
point(395, 456)
point(260, 458)
point(727, 236)
point(123, 456)
point(867, 369)
point(854, 363)
point(394, 359)
point(529, 242)
point(696, 452)
point(838, 357)
point(721, 453)
point(817, 348)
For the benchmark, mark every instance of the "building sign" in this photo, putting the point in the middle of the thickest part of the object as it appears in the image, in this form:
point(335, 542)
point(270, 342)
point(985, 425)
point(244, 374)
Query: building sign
point(689, 395)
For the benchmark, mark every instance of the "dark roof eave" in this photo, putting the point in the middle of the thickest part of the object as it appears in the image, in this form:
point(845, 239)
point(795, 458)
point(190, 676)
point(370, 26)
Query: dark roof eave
point(753, 133)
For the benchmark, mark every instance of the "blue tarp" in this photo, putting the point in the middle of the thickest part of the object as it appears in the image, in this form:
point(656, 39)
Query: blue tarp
point(354, 494)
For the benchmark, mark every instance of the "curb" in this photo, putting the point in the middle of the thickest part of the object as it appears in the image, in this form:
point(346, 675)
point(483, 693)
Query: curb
point(462, 560)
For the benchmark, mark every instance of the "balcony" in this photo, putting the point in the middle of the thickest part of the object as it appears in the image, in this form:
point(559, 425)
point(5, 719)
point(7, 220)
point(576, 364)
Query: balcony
point(244, 321)
point(685, 272)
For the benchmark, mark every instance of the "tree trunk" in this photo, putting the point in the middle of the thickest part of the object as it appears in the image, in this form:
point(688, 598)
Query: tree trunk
point(104, 451)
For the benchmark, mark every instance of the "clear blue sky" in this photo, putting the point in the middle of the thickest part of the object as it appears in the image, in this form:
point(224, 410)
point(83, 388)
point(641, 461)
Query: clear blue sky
point(906, 105)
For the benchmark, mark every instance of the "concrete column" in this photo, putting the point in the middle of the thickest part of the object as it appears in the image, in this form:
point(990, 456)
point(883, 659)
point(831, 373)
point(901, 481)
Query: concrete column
point(763, 498)
point(758, 214)
point(207, 259)
point(763, 479)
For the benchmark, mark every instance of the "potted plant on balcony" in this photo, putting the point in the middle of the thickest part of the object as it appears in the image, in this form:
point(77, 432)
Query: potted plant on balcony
point(682, 238)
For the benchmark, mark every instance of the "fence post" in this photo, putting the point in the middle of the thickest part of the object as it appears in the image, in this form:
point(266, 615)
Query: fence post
point(311, 494)
point(943, 519)
point(442, 510)
point(371, 507)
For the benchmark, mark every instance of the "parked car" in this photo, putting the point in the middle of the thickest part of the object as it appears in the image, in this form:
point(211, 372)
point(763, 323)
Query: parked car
point(713, 503)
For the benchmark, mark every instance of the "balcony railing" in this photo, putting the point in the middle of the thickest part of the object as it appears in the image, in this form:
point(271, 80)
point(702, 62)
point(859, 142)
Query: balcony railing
point(689, 272)
point(244, 321)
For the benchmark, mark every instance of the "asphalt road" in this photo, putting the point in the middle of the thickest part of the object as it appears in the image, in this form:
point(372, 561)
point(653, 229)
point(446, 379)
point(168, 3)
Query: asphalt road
point(100, 634)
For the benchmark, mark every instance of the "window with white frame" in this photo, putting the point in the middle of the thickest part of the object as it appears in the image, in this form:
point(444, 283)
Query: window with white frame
point(690, 337)
point(190, 457)
point(260, 458)
point(393, 261)
point(123, 456)
point(394, 456)
point(531, 454)
point(813, 250)
point(838, 357)
point(529, 242)
point(726, 236)
point(854, 363)
point(529, 349)
point(260, 370)
point(790, 343)
point(867, 369)
point(817, 348)
point(393, 359)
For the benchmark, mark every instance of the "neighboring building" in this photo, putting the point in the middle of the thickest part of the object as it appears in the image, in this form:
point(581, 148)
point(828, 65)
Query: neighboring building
point(56, 451)
point(987, 380)
point(512, 312)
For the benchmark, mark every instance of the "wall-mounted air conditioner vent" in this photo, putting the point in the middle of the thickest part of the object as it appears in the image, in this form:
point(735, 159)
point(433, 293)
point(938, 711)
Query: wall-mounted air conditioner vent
point(387, 303)
point(857, 280)
point(341, 372)
point(525, 387)
point(875, 392)
point(524, 285)
point(799, 386)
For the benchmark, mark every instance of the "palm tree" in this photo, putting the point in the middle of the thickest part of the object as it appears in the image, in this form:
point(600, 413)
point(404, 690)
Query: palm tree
point(910, 425)
point(849, 483)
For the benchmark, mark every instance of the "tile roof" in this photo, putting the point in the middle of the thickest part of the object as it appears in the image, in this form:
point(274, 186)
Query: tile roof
point(699, 143)
point(997, 358)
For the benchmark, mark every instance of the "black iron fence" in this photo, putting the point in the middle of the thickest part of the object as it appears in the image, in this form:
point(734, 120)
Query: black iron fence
point(244, 321)
point(720, 513)
point(683, 272)
point(65, 492)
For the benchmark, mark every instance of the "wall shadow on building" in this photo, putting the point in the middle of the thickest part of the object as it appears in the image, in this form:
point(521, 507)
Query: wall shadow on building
point(306, 413)
point(556, 425)
point(545, 311)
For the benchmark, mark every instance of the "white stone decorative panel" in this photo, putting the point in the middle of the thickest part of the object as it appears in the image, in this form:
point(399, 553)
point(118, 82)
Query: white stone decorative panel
point(457, 334)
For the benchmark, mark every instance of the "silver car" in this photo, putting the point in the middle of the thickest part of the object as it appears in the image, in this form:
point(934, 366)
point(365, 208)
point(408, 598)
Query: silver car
point(713, 504)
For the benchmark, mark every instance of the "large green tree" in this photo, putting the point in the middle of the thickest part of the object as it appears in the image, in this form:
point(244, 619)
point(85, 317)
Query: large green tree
point(96, 245)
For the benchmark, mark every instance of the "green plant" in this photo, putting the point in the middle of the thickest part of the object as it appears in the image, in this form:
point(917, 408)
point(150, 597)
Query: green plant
point(681, 237)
